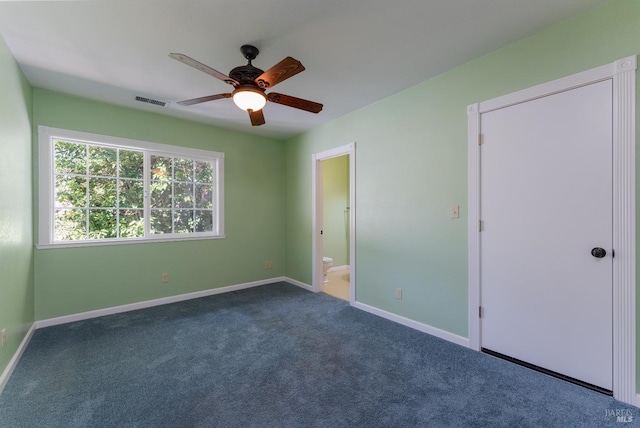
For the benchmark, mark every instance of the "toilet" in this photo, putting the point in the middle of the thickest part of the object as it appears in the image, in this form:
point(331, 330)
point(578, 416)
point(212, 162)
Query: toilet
point(327, 262)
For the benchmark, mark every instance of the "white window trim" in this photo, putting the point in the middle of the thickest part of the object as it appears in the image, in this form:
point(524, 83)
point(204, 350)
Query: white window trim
point(46, 193)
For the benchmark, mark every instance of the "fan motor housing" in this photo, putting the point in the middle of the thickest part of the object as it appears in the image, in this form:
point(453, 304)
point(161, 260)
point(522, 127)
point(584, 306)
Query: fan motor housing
point(245, 73)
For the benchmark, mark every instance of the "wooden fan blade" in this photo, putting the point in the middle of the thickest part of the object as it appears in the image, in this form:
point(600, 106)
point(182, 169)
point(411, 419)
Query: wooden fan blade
point(257, 117)
point(203, 99)
point(204, 68)
point(294, 102)
point(286, 68)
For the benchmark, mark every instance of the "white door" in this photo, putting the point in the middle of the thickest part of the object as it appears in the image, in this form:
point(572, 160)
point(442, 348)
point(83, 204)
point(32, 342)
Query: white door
point(545, 203)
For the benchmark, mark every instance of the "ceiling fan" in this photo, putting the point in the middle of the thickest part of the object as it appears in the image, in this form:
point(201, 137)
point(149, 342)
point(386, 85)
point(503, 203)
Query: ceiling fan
point(250, 84)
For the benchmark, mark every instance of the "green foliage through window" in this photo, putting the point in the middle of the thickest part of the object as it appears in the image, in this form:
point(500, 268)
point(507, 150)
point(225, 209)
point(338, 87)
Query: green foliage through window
point(99, 193)
point(181, 195)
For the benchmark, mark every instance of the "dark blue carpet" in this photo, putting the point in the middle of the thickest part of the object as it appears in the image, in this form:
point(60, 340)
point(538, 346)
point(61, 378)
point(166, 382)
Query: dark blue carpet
point(278, 356)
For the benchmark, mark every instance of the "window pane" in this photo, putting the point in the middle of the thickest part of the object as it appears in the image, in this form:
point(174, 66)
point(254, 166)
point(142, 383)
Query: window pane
point(183, 221)
point(204, 221)
point(204, 196)
point(131, 194)
point(70, 225)
point(161, 194)
point(160, 168)
point(183, 195)
point(102, 161)
point(131, 223)
point(102, 224)
point(71, 191)
point(102, 192)
point(101, 188)
point(70, 158)
point(161, 221)
point(204, 172)
point(183, 169)
point(131, 164)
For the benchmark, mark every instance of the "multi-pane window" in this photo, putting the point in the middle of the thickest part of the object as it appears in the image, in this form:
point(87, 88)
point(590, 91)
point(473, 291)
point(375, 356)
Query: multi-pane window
point(99, 192)
point(99, 189)
point(181, 195)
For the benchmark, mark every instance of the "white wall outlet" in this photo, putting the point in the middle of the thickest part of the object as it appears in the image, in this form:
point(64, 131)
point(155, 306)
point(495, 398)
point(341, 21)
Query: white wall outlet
point(3, 337)
point(454, 211)
point(399, 293)
point(165, 277)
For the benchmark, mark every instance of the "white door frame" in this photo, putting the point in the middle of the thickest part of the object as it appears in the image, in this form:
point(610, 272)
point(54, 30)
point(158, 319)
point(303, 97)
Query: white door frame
point(316, 209)
point(623, 75)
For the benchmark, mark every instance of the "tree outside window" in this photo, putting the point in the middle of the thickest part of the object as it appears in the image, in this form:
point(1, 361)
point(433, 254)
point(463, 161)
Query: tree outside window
point(112, 192)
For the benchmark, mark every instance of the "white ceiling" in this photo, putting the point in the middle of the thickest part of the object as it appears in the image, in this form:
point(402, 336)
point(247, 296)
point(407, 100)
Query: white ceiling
point(355, 51)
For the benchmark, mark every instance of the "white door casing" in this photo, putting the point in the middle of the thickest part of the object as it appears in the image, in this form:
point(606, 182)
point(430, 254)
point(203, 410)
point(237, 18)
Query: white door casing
point(622, 73)
point(316, 210)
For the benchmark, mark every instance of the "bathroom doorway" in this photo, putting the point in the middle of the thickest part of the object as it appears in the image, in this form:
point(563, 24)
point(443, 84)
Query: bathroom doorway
point(333, 176)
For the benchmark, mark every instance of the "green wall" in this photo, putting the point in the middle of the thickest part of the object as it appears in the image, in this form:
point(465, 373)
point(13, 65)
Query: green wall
point(335, 200)
point(73, 280)
point(16, 250)
point(411, 166)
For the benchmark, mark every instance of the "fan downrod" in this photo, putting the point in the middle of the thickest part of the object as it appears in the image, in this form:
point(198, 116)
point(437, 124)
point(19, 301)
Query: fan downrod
point(249, 52)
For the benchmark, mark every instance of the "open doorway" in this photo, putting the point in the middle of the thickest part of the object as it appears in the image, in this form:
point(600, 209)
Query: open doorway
point(333, 175)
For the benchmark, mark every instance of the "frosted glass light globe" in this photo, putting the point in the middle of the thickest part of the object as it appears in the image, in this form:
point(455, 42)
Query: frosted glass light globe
point(249, 99)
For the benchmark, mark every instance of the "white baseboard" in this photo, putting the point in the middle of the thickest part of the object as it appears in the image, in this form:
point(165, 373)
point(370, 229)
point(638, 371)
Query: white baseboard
point(6, 374)
point(298, 283)
point(337, 268)
point(434, 331)
point(149, 303)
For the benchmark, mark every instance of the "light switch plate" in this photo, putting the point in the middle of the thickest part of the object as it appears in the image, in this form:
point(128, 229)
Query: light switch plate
point(455, 211)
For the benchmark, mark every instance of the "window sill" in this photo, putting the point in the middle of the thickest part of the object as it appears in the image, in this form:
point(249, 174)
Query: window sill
point(93, 243)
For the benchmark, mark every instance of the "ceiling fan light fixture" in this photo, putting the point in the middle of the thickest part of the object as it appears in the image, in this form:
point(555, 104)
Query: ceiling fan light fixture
point(250, 84)
point(249, 98)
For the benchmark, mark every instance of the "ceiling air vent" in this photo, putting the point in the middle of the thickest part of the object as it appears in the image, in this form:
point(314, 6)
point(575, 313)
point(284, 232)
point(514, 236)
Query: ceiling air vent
point(150, 101)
